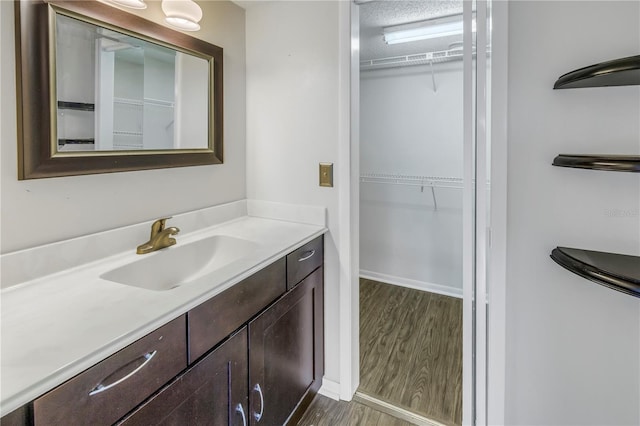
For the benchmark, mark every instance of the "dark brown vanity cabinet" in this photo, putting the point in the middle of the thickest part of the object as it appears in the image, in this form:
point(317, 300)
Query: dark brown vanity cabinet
point(280, 357)
point(251, 355)
point(285, 341)
point(286, 353)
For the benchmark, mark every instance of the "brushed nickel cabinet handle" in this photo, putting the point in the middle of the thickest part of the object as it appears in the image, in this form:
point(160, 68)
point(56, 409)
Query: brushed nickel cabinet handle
point(101, 387)
point(258, 389)
point(307, 255)
point(240, 410)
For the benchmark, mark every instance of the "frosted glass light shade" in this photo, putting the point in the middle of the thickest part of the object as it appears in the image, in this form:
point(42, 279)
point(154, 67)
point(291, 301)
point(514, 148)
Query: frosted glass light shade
point(423, 33)
point(425, 30)
point(182, 14)
point(133, 4)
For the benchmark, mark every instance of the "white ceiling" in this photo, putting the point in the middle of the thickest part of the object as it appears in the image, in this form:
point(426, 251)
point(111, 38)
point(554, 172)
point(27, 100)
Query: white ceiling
point(375, 15)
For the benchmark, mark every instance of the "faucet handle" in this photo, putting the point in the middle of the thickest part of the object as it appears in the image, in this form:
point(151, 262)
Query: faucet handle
point(158, 225)
point(162, 220)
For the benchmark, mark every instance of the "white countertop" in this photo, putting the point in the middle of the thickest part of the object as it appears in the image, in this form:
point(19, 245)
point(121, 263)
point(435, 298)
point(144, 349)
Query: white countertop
point(58, 325)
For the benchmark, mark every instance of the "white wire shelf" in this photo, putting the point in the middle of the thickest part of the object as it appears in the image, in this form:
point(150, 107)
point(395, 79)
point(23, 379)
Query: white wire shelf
point(427, 58)
point(415, 59)
point(423, 182)
point(141, 103)
point(125, 133)
point(125, 101)
point(411, 180)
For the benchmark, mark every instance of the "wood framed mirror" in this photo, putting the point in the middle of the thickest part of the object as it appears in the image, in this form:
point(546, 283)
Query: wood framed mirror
point(100, 90)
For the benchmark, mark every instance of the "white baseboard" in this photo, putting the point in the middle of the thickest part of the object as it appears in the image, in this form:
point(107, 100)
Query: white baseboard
point(393, 410)
point(330, 389)
point(415, 284)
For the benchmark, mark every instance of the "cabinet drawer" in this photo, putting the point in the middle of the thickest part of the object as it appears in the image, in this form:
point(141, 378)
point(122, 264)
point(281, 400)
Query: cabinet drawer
point(303, 261)
point(215, 319)
point(107, 391)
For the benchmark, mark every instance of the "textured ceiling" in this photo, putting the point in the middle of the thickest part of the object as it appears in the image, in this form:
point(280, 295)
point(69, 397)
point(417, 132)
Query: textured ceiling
point(376, 15)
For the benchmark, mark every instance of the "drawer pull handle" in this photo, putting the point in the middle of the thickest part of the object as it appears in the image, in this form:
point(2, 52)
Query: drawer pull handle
point(258, 389)
point(307, 255)
point(240, 410)
point(101, 388)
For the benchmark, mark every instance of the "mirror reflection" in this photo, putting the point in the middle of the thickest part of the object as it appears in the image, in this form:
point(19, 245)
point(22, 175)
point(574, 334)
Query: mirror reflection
point(116, 92)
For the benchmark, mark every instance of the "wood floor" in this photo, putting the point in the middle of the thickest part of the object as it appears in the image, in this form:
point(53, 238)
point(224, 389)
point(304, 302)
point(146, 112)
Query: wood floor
point(324, 411)
point(411, 350)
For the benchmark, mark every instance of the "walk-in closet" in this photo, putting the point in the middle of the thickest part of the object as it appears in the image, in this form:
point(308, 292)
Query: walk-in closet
point(411, 201)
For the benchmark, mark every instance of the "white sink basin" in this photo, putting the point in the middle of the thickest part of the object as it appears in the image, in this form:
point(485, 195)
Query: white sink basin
point(180, 264)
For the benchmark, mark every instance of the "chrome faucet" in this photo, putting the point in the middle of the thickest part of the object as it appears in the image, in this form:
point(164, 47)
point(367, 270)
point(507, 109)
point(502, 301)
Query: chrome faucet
point(160, 237)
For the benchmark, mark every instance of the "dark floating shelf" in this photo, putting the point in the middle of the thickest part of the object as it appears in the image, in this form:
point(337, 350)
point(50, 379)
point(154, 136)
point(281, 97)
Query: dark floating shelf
point(619, 272)
point(619, 72)
point(614, 163)
point(80, 106)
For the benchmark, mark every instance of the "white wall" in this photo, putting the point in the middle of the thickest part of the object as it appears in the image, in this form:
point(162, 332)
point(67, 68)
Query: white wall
point(44, 210)
point(158, 119)
point(159, 76)
point(408, 128)
point(75, 51)
point(190, 123)
point(75, 79)
point(292, 123)
point(573, 347)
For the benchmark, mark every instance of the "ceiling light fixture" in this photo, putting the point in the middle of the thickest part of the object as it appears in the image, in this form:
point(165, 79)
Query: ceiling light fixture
point(182, 14)
point(133, 4)
point(425, 30)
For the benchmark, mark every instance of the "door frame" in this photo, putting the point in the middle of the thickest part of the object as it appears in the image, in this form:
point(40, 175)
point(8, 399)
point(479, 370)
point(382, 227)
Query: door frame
point(490, 335)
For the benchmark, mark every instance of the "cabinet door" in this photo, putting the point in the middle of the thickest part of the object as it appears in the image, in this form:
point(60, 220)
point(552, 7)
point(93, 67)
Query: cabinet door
point(286, 350)
point(212, 392)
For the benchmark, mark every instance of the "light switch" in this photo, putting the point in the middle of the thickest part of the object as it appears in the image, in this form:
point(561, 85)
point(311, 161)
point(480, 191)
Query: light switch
point(326, 174)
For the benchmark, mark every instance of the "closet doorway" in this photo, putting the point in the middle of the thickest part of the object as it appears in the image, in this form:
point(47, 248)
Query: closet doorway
point(417, 188)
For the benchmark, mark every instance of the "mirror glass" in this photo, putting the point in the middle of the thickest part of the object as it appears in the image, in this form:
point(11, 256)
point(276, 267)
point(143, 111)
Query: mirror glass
point(117, 92)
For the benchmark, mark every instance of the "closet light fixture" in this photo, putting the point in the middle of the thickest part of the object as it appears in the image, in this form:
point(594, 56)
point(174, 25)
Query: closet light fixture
point(133, 4)
point(182, 14)
point(424, 30)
